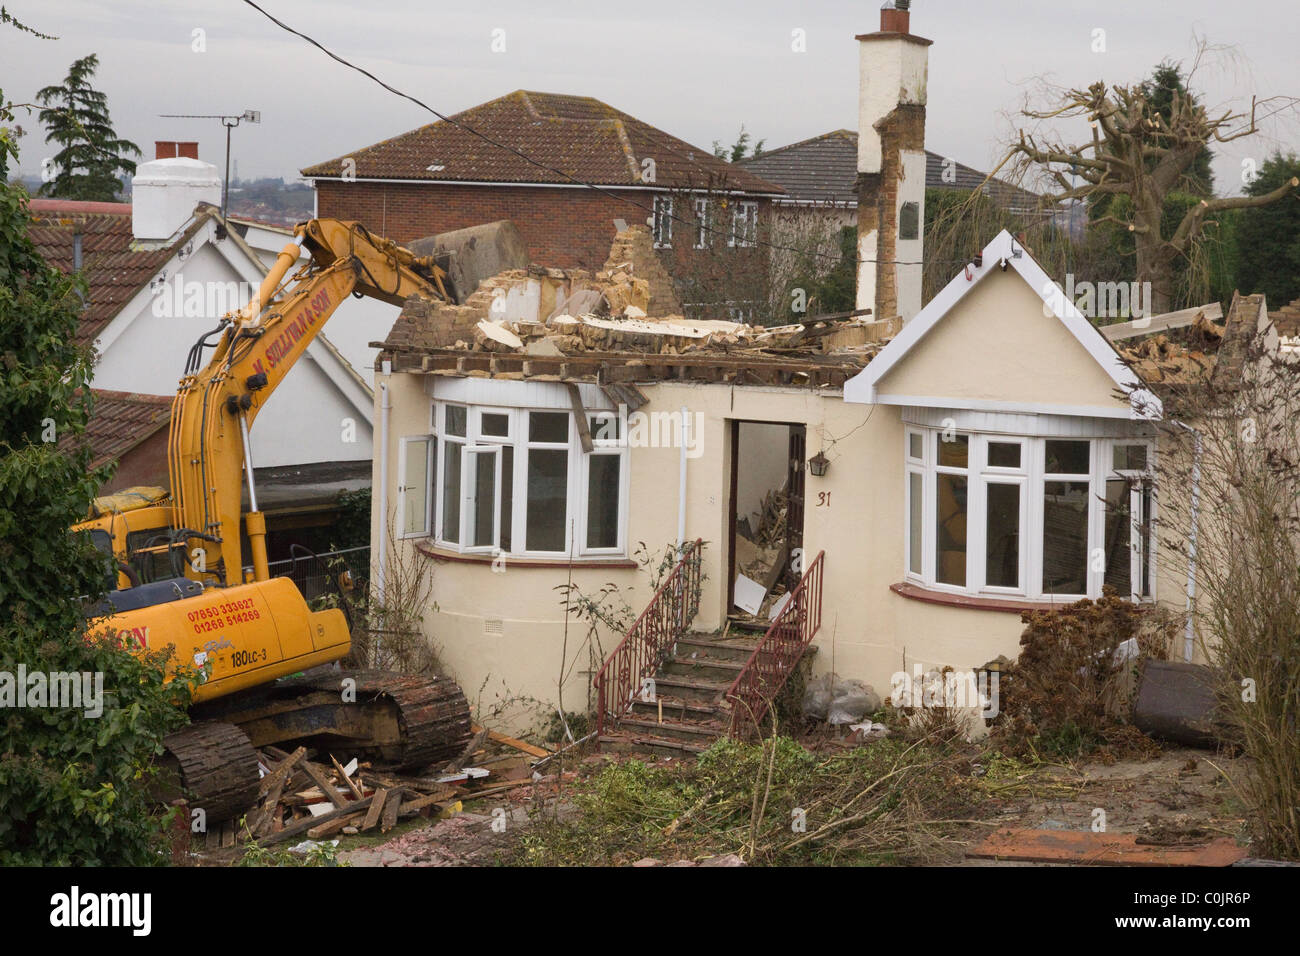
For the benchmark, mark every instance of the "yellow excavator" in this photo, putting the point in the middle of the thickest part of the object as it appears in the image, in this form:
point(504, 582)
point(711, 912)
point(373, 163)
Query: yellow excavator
point(182, 579)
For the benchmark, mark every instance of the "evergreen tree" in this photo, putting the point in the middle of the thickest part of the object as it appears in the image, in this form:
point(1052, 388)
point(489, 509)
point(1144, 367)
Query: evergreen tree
point(1268, 237)
point(91, 158)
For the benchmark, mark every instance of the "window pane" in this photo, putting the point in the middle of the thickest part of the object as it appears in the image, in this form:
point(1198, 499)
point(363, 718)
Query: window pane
point(1004, 454)
point(485, 500)
point(915, 510)
point(548, 427)
point(1068, 457)
point(916, 446)
point(950, 530)
point(954, 452)
point(1118, 538)
point(451, 493)
point(495, 425)
point(1002, 548)
point(604, 429)
point(507, 494)
point(548, 486)
point(414, 484)
point(1130, 457)
point(456, 415)
point(602, 501)
point(1065, 537)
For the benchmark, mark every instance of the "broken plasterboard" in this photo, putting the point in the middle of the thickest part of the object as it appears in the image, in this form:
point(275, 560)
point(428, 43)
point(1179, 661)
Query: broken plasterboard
point(748, 594)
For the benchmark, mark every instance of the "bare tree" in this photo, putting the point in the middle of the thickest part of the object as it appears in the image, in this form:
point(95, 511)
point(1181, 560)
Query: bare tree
point(1142, 150)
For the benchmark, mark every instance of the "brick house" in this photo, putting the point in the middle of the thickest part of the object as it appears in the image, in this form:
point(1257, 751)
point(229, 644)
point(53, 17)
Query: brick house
point(705, 213)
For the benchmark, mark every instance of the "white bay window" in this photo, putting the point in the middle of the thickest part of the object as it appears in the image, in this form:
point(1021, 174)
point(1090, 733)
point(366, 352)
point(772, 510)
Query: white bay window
point(1034, 517)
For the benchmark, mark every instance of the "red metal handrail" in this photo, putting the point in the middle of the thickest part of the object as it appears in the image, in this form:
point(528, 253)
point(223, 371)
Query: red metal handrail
point(772, 662)
point(650, 640)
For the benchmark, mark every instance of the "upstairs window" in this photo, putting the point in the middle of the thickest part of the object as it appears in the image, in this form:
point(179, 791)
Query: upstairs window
point(663, 222)
point(744, 224)
point(701, 223)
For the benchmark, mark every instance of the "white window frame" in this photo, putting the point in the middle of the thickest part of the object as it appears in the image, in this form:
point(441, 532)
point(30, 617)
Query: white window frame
point(403, 454)
point(474, 442)
point(744, 225)
point(662, 217)
point(1031, 478)
point(701, 222)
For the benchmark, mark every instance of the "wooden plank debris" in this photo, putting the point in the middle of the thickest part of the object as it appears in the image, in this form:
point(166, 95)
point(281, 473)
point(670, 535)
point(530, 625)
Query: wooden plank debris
point(1102, 849)
point(322, 780)
point(1161, 323)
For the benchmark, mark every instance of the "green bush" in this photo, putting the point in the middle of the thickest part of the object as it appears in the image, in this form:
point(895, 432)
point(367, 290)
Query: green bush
point(74, 789)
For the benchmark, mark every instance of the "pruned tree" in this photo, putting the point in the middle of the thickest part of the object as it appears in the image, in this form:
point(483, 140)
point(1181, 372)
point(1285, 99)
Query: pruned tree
point(91, 156)
point(1147, 140)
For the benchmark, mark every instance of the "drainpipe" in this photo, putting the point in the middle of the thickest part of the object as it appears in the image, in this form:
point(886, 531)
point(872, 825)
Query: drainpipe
point(681, 485)
point(384, 406)
point(1191, 536)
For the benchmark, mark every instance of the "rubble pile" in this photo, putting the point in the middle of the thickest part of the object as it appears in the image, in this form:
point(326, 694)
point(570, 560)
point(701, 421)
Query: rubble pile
point(301, 798)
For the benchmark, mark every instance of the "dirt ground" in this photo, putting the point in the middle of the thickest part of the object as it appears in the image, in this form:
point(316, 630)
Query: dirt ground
point(1181, 795)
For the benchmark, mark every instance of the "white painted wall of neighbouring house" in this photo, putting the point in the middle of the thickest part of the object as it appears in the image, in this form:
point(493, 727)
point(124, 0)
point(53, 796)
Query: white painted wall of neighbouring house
point(143, 349)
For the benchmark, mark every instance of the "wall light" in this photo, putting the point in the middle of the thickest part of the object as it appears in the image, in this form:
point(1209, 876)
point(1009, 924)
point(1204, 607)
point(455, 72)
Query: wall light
point(818, 464)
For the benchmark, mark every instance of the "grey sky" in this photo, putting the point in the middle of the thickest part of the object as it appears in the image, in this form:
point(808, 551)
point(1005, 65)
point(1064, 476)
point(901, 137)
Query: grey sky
point(696, 69)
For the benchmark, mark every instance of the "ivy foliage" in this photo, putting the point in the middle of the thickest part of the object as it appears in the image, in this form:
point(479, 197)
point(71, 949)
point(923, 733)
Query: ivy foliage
point(74, 780)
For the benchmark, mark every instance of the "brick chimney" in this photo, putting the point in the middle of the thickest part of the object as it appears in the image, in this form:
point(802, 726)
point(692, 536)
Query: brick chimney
point(892, 69)
point(168, 149)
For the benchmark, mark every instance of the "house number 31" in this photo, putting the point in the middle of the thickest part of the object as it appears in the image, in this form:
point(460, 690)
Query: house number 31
point(823, 499)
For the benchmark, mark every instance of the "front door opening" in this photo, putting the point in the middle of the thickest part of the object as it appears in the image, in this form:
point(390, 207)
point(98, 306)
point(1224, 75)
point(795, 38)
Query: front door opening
point(766, 515)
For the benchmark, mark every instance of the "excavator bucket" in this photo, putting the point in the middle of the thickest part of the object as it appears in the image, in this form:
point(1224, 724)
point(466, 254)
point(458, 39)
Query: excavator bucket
point(473, 254)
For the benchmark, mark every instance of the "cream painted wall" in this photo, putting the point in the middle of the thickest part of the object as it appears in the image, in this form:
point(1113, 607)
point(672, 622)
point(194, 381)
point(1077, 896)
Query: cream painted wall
point(854, 513)
point(997, 345)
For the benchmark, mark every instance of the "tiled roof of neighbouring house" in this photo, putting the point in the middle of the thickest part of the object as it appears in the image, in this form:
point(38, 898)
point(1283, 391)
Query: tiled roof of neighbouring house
point(581, 136)
point(825, 169)
point(114, 265)
point(121, 420)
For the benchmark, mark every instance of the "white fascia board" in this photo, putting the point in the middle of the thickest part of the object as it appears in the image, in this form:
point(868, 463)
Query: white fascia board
point(862, 388)
point(991, 405)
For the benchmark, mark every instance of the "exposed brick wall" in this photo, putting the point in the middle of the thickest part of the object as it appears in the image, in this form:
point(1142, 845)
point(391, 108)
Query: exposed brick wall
point(564, 228)
point(904, 128)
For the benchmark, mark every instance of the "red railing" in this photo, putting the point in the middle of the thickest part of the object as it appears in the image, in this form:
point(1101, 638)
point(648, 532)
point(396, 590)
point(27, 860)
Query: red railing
point(650, 640)
point(772, 662)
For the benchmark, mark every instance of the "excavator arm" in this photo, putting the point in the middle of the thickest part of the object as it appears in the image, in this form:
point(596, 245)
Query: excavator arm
point(217, 403)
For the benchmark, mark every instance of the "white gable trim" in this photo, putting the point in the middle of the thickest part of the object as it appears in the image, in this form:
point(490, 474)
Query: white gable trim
point(863, 387)
point(248, 267)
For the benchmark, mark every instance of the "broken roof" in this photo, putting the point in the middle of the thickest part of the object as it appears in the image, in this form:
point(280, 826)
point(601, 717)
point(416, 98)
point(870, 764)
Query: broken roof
point(589, 140)
point(824, 169)
point(114, 265)
point(573, 325)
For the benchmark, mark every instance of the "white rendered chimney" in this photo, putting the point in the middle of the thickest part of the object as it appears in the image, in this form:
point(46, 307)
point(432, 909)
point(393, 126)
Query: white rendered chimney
point(164, 193)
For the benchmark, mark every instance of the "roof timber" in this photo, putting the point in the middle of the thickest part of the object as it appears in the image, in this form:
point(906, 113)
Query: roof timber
point(809, 371)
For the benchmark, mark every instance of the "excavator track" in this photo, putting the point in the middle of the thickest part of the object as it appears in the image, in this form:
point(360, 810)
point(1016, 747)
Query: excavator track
point(432, 712)
point(216, 767)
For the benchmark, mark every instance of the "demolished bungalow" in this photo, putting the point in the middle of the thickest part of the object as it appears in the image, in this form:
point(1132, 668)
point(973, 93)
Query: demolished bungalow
point(894, 488)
